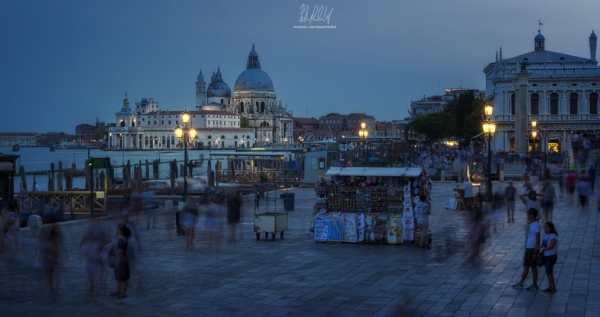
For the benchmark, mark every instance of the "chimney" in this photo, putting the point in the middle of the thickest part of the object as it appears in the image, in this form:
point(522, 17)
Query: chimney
point(593, 40)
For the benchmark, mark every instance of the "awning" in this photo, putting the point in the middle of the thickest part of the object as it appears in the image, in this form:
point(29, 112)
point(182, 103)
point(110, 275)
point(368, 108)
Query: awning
point(375, 171)
point(6, 167)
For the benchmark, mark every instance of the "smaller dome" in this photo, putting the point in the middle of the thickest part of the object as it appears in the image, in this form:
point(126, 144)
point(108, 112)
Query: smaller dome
point(539, 37)
point(218, 89)
point(200, 76)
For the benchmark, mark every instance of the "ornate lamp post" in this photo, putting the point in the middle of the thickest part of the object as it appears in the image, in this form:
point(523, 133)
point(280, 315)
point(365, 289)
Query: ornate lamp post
point(186, 135)
point(363, 133)
point(489, 128)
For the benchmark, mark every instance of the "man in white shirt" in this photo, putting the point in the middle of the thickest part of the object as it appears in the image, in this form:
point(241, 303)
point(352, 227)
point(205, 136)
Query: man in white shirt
point(532, 246)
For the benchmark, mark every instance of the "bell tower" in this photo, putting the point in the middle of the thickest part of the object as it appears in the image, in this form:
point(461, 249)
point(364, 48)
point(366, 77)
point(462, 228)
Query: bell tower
point(200, 91)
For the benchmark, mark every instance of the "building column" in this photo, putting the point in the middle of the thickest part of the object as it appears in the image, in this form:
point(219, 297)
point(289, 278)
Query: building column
point(545, 109)
point(564, 108)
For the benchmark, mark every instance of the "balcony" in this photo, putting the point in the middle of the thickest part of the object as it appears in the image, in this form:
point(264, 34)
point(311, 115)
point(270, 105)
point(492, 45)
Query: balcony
point(551, 117)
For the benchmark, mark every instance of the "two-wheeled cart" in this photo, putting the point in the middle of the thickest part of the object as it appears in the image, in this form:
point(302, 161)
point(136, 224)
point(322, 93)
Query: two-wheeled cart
point(267, 218)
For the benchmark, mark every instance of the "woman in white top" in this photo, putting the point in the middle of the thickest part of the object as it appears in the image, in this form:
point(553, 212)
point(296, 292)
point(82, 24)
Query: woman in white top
point(549, 247)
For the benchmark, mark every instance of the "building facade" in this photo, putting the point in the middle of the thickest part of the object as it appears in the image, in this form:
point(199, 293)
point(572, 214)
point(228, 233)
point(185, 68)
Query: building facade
point(437, 103)
point(20, 138)
point(217, 116)
point(562, 94)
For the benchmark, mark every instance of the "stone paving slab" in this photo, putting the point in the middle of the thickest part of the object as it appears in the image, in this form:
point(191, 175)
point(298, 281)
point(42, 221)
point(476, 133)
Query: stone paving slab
point(298, 277)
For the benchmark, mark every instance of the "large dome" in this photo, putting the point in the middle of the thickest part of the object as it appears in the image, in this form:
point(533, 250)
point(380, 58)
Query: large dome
point(254, 79)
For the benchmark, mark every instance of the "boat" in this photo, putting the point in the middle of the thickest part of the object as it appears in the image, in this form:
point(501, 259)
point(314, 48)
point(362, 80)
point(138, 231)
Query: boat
point(51, 148)
point(16, 147)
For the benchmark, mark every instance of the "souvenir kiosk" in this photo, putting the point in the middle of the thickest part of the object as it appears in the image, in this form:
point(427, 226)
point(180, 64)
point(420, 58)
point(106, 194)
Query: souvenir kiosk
point(368, 204)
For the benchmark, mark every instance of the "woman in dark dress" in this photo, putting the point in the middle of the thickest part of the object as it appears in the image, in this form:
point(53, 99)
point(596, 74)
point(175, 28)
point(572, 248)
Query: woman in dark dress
point(121, 263)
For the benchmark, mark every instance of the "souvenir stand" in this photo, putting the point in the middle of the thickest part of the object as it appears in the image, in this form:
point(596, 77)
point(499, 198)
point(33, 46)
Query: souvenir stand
point(269, 219)
point(368, 204)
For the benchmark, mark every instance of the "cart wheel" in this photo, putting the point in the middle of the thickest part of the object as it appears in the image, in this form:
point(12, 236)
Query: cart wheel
point(273, 235)
point(266, 235)
point(257, 236)
point(281, 235)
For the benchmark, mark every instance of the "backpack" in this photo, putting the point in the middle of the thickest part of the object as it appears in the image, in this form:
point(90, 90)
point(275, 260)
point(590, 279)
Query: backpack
point(10, 217)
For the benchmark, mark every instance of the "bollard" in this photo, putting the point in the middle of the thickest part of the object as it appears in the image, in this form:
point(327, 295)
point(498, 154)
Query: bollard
point(168, 206)
point(34, 223)
point(501, 176)
point(443, 179)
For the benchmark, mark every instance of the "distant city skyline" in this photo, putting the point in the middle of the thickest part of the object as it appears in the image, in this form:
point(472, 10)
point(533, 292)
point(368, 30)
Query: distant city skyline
point(66, 63)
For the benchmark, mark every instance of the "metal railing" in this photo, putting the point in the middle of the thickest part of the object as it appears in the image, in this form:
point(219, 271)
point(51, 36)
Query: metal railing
point(69, 201)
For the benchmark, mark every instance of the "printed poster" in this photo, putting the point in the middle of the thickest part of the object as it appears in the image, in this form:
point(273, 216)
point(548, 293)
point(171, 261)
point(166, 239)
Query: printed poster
point(321, 227)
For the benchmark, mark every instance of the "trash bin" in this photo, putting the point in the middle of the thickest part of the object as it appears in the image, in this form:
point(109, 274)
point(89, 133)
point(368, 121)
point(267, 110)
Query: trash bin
point(288, 201)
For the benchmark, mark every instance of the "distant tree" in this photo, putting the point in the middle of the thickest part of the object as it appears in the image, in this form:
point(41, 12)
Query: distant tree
point(100, 133)
point(435, 125)
point(244, 122)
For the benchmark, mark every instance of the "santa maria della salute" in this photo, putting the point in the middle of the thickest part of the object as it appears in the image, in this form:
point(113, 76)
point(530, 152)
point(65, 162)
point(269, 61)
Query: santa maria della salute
point(217, 115)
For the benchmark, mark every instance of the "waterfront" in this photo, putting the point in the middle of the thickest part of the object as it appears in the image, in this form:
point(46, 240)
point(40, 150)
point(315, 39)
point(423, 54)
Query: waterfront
point(39, 159)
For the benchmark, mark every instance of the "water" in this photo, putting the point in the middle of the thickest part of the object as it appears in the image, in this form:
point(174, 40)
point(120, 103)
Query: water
point(39, 159)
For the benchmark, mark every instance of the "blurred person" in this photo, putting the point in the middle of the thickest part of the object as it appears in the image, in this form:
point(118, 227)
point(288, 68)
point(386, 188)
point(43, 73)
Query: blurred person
point(510, 194)
point(570, 181)
point(591, 172)
point(476, 235)
point(548, 201)
point(190, 216)
point(550, 248)
point(94, 238)
point(50, 250)
point(11, 222)
point(134, 243)
point(497, 204)
point(234, 205)
point(212, 223)
point(583, 188)
point(532, 246)
point(121, 269)
point(422, 211)
point(561, 183)
point(150, 208)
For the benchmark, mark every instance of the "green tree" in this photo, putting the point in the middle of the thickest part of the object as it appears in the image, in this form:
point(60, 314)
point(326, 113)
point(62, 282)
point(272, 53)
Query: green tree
point(100, 133)
point(244, 122)
point(435, 125)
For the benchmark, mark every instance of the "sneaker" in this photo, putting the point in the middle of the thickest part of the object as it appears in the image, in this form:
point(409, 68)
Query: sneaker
point(532, 288)
point(518, 286)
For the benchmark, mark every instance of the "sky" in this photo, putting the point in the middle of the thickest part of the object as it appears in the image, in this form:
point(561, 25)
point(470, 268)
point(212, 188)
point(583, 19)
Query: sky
point(63, 63)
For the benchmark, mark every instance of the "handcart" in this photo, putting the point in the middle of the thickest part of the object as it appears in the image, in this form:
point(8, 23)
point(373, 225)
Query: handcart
point(267, 218)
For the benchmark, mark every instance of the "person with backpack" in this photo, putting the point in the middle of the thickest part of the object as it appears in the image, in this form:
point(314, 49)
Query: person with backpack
point(548, 201)
point(121, 264)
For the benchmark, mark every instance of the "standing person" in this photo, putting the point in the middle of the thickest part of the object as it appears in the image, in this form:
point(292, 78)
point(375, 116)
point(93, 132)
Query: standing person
point(531, 202)
point(94, 238)
point(570, 180)
point(548, 201)
point(550, 248)
point(190, 215)
point(12, 223)
point(234, 205)
point(49, 252)
point(583, 188)
point(476, 235)
point(592, 177)
point(213, 223)
point(122, 274)
point(525, 171)
point(449, 170)
point(510, 193)
point(532, 245)
point(422, 212)
point(497, 204)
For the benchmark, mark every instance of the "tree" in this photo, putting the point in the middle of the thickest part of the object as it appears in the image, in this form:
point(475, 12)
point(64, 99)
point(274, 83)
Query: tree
point(435, 125)
point(244, 122)
point(100, 133)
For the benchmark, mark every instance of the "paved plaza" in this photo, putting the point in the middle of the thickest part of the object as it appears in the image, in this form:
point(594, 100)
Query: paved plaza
point(298, 277)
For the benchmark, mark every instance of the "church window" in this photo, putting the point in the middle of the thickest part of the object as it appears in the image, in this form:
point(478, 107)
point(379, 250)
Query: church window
point(162, 122)
point(122, 123)
point(554, 103)
point(169, 121)
point(573, 103)
point(535, 103)
point(262, 106)
point(242, 107)
point(176, 122)
point(149, 123)
point(512, 104)
point(221, 101)
point(593, 103)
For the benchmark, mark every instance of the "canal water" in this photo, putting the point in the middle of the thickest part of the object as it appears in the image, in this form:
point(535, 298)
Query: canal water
point(39, 159)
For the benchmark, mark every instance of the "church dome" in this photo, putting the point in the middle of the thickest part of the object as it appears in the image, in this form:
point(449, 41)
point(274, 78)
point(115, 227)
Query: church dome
point(253, 78)
point(539, 37)
point(217, 87)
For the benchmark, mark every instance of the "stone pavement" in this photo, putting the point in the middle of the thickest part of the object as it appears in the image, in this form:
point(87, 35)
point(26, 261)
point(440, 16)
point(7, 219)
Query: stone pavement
point(297, 277)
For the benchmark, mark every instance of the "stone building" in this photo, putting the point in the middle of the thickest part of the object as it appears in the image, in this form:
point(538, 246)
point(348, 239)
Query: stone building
point(562, 94)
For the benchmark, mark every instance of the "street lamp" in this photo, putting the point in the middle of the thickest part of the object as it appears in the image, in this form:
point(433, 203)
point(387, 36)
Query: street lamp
point(543, 134)
point(534, 137)
point(363, 133)
point(489, 128)
point(186, 135)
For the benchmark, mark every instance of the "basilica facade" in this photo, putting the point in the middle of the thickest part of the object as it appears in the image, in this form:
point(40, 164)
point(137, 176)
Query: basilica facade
point(218, 115)
point(562, 95)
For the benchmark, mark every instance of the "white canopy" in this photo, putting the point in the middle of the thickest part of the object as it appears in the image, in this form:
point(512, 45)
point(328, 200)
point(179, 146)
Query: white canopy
point(374, 171)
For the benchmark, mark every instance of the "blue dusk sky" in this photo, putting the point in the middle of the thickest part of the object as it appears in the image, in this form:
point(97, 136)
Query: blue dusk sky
point(63, 63)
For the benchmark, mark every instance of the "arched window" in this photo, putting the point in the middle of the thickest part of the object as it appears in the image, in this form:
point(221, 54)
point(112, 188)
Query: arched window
point(554, 103)
point(132, 123)
point(242, 107)
point(593, 103)
point(262, 106)
point(573, 103)
point(535, 104)
point(512, 104)
point(122, 123)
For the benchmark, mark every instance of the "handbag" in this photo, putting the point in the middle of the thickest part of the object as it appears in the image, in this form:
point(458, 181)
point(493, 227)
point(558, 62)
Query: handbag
point(541, 259)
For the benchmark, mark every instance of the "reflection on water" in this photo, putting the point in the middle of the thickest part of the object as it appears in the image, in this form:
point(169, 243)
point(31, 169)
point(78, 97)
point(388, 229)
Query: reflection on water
point(39, 158)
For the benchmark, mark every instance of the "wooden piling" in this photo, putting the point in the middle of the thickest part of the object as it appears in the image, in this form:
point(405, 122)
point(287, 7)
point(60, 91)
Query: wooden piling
point(59, 178)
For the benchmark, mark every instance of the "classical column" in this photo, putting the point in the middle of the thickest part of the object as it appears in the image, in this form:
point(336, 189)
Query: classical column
point(521, 113)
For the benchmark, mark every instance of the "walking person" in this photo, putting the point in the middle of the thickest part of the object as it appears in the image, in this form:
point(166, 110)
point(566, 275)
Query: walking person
point(234, 205)
point(497, 204)
point(532, 245)
point(510, 194)
point(548, 201)
point(94, 238)
point(190, 216)
point(570, 180)
point(561, 183)
point(122, 273)
point(212, 223)
point(50, 250)
point(583, 188)
point(550, 248)
point(11, 224)
point(422, 212)
point(592, 177)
